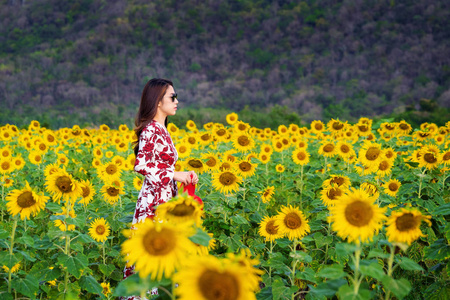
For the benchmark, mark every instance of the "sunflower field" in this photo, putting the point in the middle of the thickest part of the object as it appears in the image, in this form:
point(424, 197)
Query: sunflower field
point(331, 210)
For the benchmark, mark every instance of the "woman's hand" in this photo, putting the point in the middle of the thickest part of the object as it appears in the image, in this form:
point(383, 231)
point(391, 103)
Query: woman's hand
point(186, 177)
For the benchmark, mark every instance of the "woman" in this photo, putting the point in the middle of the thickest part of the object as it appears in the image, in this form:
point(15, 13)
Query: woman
point(155, 153)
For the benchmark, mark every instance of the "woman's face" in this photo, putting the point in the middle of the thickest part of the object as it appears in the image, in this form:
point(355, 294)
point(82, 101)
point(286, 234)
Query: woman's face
point(169, 103)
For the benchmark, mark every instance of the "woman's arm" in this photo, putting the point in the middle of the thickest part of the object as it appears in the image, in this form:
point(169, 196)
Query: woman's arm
point(186, 177)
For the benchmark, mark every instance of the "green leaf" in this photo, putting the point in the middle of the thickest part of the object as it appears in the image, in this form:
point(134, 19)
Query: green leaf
point(133, 285)
point(442, 210)
point(343, 249)
point(348, 293)
point(126, 219)
point(26, 240)
point(75, 264)
point(106, 269)
point(400, 288)
point(279, 290)
point(200, 237)
point(327, 289)
point(301, 256)
point(332, 272)
point(410, 265)
point(27, 256)
point(264, 294)
point(4, 234)
point(27, 286)
point(373, 270)
point(377, 253)
point(238, 219)
point(307, 274)
point(53, 207)
point(91, 285)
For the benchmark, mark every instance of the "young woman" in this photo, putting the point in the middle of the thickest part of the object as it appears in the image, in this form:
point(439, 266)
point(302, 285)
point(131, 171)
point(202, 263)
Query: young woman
point(155, 153)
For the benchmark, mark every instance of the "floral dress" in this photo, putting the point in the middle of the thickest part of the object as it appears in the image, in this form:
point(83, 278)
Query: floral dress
point(155, 160)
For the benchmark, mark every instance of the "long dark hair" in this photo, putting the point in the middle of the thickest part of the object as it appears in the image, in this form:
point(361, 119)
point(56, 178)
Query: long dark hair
point(153, 93)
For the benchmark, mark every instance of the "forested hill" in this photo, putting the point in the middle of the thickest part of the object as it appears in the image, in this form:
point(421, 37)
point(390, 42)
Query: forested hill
point(321, 59)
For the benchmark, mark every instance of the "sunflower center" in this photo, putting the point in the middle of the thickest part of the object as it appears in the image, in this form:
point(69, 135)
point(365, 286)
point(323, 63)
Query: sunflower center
point(211, 162)
point(301, 156)
point(337, 180)
point(221, 132)
point(328, 148)
point(279, 145)
point(205, 137)
point(318, 126)
point(372, 153)
point(5, 153)
point(446, 156)
point(285, 142)
point(191, 140)
point(245, 166)
point(292, 221)
point(242, 127)
point(430, 158)
point(393, 186)
point(111, 169)
point(218, 286)
point(195, 163)
point(227, 178)
point(333, 193)
point(345, 149)
point(243, 140)
point(389, 154)
point(403, 126)
point(86, 191)
point(64, 184)
point(42, 146)
point(302, 145)
point(390, 127)
point(37, 158)
point(6, 165)
point(100, 229)
point(271, 228)
point(337, 126)
point(225, 166)
point(182, 149)
point(182, 210)
point(363, 128)
point(383, 166)
point(407, 222)
point(112, 191)
point(159, 243)
point(358, 213)
point(26, 200)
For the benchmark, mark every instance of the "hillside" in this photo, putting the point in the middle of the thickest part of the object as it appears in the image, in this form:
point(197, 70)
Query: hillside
point(320, 59)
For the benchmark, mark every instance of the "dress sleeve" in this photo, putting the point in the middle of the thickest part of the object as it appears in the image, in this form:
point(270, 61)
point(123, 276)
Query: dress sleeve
point(154, 159)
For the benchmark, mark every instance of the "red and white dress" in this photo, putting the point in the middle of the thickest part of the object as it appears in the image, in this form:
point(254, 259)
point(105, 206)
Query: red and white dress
point(155, 160)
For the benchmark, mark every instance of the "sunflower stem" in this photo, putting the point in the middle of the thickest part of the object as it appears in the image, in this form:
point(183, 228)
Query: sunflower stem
point(301, 188)
point(420, 183)
point(3, 195)
point(325, 167)
point(67, 248)
point(270, 267)
point(13, 232)
point(356, 280)
point(390, 269)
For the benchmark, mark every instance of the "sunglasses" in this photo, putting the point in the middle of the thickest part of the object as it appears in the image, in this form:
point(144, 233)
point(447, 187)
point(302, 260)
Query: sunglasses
point(174, 96)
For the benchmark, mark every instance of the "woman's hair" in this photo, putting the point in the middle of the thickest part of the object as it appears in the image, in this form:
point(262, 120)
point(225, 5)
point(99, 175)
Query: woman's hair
point(153, 93)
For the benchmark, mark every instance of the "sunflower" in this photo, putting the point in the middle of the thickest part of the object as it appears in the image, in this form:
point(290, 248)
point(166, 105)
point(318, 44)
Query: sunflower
point(370, 189)
point(173, 129)
point(157, 248)
point(277, 145)
point(243, 259)
point(97, 163)
point(25, 202)
point(137, 183)
point(337, 180)
point(264, 158)
point(390, 153)
point(219, 133)
point(112, 190)
point(99, 230)
point(88, 192)
point(403, 226)
point(336, 126)
point(208, 277)
point(355, 217)
point(203, 250)
point(363, 129)
point(191, 125)
point(62, 159)
point(268, 230)
point(180, 210)
point(327, 149)
point(385, 167)
point(104, 128)
point(317, 126)
point(445, 157)
point(226, 181)
point(429, 157)
point(109, 171)
point(302, 144)
point(279, 168)
point(6, 166)
point(7, 182)
point(391, 187)
point(245, 168)
point(267, 149)
point(205, 138)
point(34, 125)
point(403, 128)
point(61, 185)
point(282, 129)
point(231, 118)
point(194, 164)
point(243, 142)
point(241, 127)
point(370, 154)
point(62, 225)
point(330, 194)
point(291, 222)
point(300, 156)
point(267, 194)
point(5, 153)
point(35, 157)
point(344, 150)
point(183, 149)
point(14, 268)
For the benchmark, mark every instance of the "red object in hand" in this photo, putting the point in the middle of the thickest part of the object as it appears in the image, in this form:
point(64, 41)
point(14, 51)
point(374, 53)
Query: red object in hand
point(190, 189)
